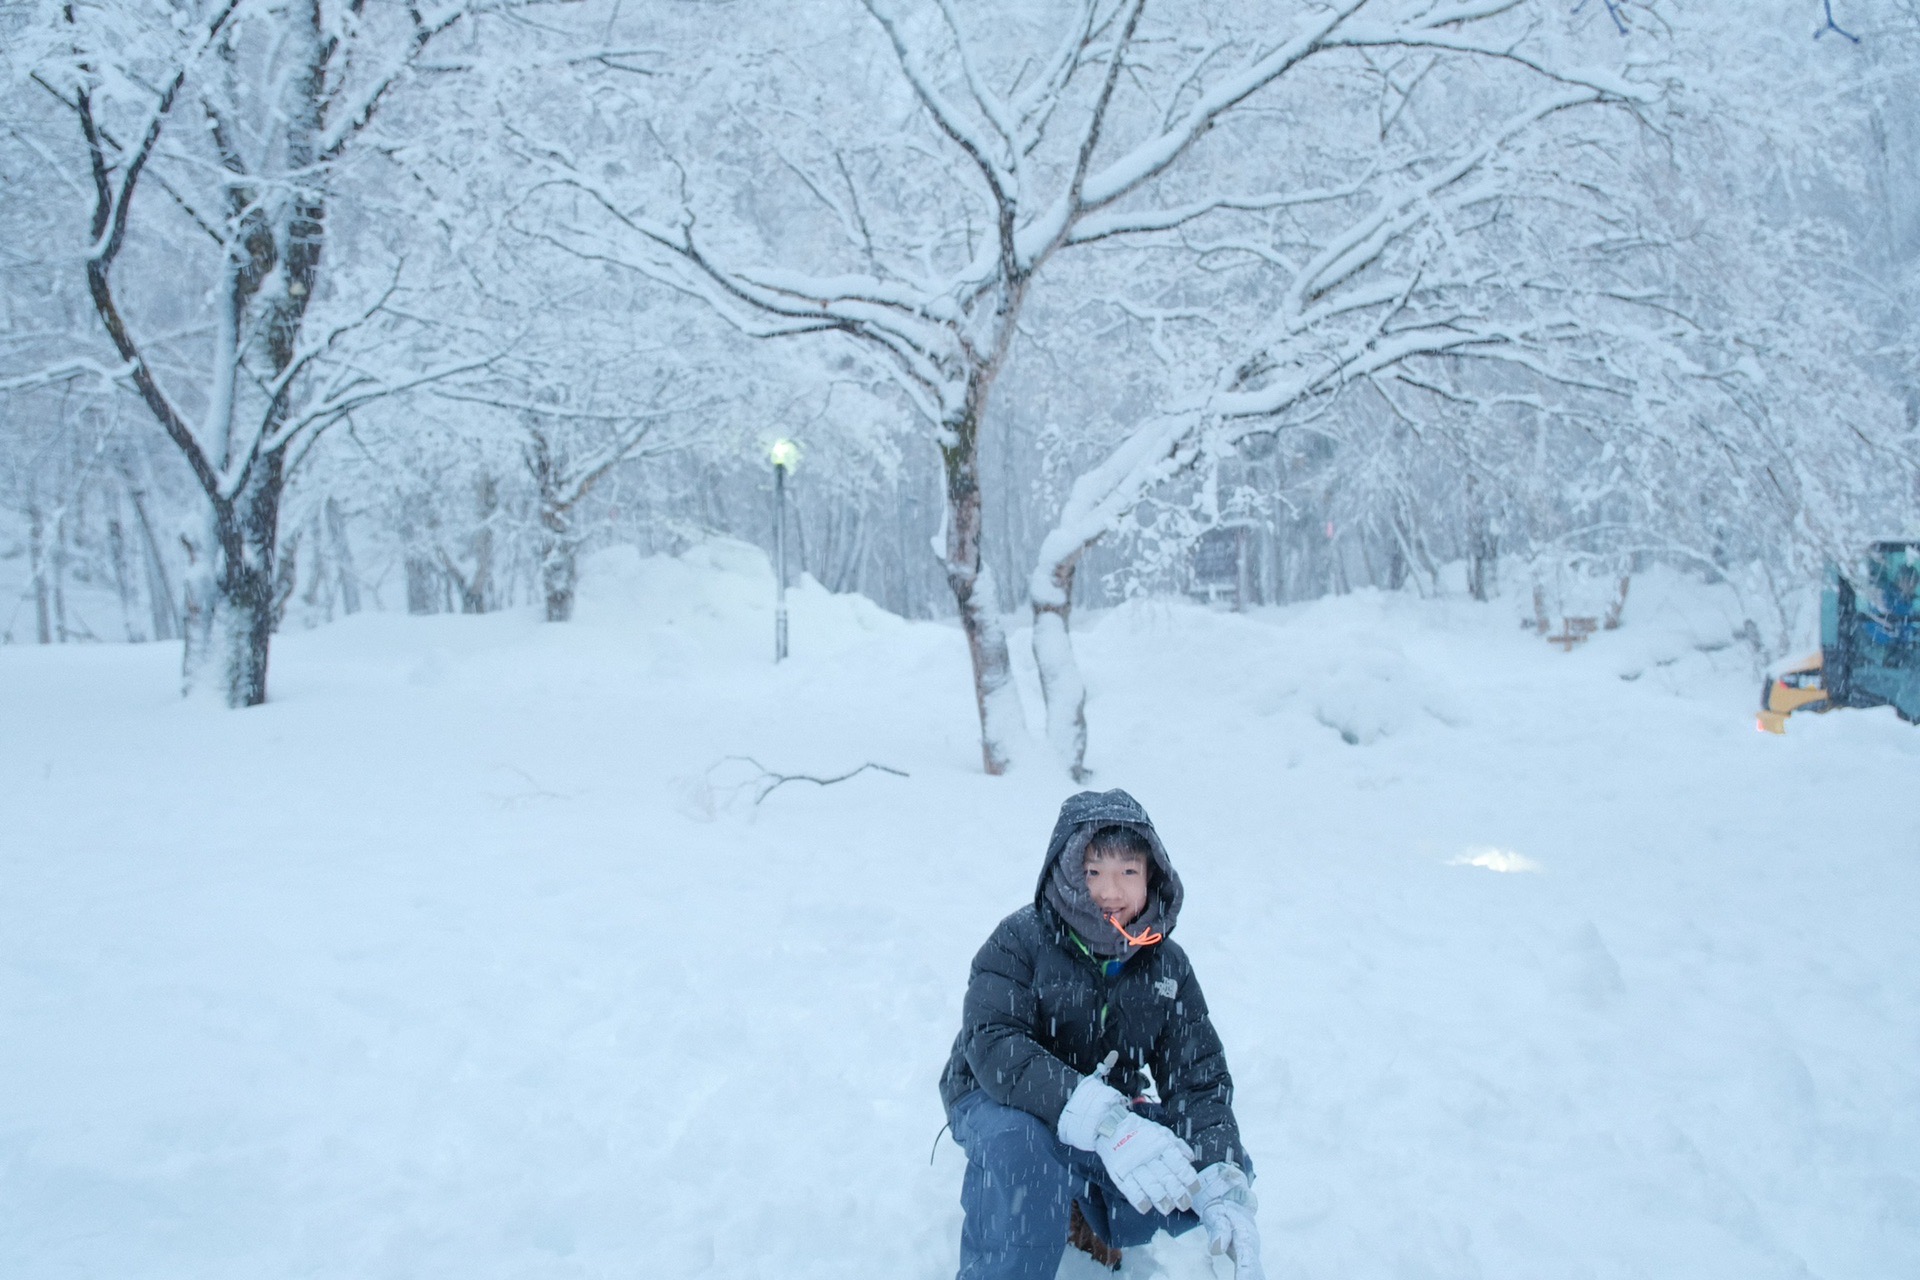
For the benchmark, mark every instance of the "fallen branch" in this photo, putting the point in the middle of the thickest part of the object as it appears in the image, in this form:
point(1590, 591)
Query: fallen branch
point(768, 781)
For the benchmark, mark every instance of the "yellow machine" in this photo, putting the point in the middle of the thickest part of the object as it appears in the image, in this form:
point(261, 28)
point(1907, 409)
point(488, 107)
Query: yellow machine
point(1797, 688)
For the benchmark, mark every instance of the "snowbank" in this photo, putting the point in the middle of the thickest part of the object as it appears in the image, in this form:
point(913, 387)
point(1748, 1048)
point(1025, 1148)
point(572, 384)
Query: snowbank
point(719, 597)
point(429, 967)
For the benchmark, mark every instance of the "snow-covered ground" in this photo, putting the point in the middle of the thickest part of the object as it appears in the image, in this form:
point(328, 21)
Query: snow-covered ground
point(472, 956)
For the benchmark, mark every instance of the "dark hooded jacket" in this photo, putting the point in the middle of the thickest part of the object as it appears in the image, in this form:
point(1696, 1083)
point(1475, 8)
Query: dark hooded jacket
point(1056, 988)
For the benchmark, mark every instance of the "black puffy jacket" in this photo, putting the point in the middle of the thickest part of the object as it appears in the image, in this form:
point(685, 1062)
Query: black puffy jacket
point(1041, 1012)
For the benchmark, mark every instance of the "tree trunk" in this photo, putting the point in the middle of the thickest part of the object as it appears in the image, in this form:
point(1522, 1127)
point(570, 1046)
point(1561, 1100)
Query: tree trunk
point(165, 609)
point(902, 558)
point(1482, 575)
point(60, 577)
point(37, 552)
point(559, 562)
point(423, 575)
point(998, 699)
point(244, 610)
point(476, 592)
point(1061, 685)
point(230, 593)
point(319, 595)
point(1479, 572)
point(1483, 552)
point(343, 558)
point(196, 622)
point(559, 543)
point(122, 575)
point(286, 576)
point(1396, 562)
point(1242, 587)
point(1366, 557)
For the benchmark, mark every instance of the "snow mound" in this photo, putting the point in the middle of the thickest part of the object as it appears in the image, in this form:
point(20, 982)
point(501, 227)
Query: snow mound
point(705, 614)
point(1341, 664)
point(1365, 688)
point(717, 598)
point(1672, 620)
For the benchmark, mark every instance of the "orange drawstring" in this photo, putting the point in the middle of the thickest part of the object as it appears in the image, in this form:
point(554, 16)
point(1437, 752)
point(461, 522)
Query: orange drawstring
point(1146, 939)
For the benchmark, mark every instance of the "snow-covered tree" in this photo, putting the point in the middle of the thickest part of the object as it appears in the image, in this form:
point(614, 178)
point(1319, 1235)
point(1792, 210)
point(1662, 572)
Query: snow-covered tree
point(1424, 258)
point(1019, 149)
point(212, 141)
point(1524, 313)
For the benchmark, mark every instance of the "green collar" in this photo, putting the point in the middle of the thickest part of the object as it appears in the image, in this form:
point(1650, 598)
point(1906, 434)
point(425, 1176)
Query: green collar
point(1108, 967)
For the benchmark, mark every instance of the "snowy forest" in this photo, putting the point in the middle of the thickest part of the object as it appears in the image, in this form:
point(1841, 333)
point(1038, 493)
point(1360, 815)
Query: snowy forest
point(560, 559)
point(316, 308)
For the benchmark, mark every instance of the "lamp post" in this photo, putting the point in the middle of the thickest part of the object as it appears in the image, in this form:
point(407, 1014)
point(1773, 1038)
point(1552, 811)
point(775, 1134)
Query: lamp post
point(784, 454)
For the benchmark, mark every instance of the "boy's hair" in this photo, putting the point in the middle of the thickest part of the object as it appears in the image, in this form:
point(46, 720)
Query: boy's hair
point(1120, 842)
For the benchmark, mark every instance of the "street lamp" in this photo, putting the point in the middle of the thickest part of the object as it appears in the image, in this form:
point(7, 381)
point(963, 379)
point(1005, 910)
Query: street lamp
point(784, 454)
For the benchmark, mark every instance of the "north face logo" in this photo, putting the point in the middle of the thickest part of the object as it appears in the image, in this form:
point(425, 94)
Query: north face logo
point(1167, 988)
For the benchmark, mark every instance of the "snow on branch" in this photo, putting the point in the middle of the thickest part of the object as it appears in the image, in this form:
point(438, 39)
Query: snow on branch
point(1035, 103)
point(1083, 213)
point(1103, 496)
point(1171, 442)
point(349, 116)
point(916, 328)
point(624, 445)
point(946, 117)
point(1107, 224)
point(989, 103)
point(1346, 317)
point(1152, 157)
point(65, 371)
point(1404, 37)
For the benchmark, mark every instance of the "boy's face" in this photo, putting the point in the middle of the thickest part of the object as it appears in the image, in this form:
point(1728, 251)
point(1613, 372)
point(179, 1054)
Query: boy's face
point(1117, 883)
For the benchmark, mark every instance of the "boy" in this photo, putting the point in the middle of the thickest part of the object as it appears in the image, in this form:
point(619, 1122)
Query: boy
point(1070, 1005)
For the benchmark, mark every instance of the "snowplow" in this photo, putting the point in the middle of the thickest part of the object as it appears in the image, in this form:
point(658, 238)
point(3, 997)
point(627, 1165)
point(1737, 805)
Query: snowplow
point(1869, 644)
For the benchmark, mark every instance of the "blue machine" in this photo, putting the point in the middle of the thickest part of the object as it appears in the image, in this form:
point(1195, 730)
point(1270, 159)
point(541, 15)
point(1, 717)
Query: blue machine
point(1870, 633)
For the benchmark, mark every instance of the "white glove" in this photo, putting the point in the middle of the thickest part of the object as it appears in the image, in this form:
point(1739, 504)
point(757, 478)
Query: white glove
point(1149, 1164)
point(1224, 1200)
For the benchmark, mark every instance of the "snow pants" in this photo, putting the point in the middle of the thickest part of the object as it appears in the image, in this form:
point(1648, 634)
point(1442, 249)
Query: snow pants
point(1020, 1186)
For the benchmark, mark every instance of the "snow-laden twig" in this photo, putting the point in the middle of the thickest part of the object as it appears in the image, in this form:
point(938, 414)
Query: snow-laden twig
point(66, 370)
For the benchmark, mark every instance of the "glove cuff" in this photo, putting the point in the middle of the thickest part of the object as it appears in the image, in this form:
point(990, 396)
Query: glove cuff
point(1223, 1181)
point(1093, 1100)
